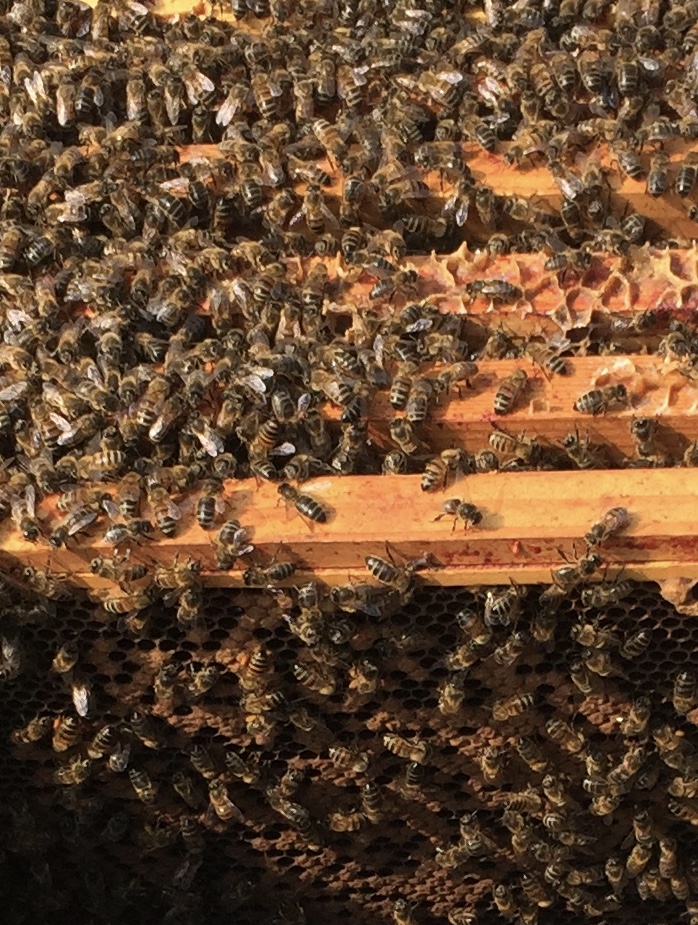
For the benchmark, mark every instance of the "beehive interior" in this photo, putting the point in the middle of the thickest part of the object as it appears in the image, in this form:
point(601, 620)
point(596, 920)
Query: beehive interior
point(61, 855)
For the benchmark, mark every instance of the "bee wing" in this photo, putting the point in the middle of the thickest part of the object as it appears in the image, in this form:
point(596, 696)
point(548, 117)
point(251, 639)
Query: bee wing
point(81, 699)
point(35, 88)
point(304, 402)
point(112, 510)
point(30, 498)
point(177, 185)
point(283, 449)
point(451, 77)
point(210, 441)
point(197, 85)
point(173, 105)
point(81, 522)
point(174, 511)
point(255, 382)
point(14, 391)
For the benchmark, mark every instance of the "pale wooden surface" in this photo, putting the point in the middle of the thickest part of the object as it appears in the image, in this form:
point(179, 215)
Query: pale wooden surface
point(527, 517)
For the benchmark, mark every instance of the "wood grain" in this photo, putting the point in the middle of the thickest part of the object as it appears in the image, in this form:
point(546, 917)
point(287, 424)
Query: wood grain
point(527, 518)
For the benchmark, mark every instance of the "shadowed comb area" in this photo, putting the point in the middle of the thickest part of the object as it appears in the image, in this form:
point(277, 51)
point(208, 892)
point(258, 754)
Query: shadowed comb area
point(68, 847)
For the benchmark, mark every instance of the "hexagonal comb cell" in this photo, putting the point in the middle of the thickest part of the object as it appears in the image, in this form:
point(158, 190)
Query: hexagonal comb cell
point(410, 779)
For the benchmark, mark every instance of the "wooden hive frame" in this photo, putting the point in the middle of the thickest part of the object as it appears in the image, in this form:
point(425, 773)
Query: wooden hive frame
point(516, 538)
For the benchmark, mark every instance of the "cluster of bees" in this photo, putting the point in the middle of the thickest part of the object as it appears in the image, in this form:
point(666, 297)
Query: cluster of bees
point(159, 338)
point(556, 806)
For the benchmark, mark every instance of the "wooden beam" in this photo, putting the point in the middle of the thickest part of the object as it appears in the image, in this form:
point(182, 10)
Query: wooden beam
point(527, 517)
point(532, 181)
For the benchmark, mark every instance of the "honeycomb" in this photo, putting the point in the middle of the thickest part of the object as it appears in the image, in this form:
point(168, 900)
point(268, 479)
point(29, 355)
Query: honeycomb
point(95, 852)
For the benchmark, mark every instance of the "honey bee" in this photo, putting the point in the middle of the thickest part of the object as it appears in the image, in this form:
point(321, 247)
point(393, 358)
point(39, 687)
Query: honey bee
point(613, 522)
point(497, 290)
point(635, 644)
point(413, 750)
point(304, 504)
point(549, 360)
point(510, 391)
point(510, 707)
point(145, 789)
point(444, 467)
point(117, 569)
point(341, 821)
point(566, 737)
point(147, 731)
point(583, 453)
point(66, 733)
point(24, 514)
point(165, 511)
point(504, 901)
point(258, 669)
point(685, 692)
point(65, 658)
point(400, 578)
point(451, 695)
point(492, 762)
point(185, 788)
point(522, 447)
point(684, 787)
point(403, 913)
point(461, 510)
point(349, 759)
point(74, 773)
point(267, 577)
point(658, 176)
point(202, 681)
point(35, 730)
point(502, 605)
point(635, 723)
point(598, 401)
point(222, 805)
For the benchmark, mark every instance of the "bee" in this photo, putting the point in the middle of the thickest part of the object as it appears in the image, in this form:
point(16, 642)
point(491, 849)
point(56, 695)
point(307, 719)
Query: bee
point(222, 805)
point(267, 577)
point(74, 773)
point(304, 504)
point(613, 522)
point(685, 692)
point(668, 863)
point(82, 697)
point(549, 360)
point(658, 175)
point(403, 913)
point(583, 453)
point(35, 730)
point(687, 175)
point(451, 695)
point(165, 512)
point(341, 821)
point(524, 448)
point(24, 514)
point(682, 811)
point(684, 787)
point(412, 779)
point(65, 658)
point(510, 707)
point(416, 749)
point(497, 290)
point(492, 763)
point(635, 644)
point(202, 681)
point(117, 569)
point(461, 510)
point(566, 737)
point(638, 860)
point(202, 762)
point(145, 789)
point(330, 139)
point(440, 469)
point(104, 741)
point(231, 543)
point(190, 608)
point(349, 759)
point(510, 651)
point(364, 677)
point(598, 401)
point(394, 284)
point(510, 391)
point(372, 802)
point(145, 729)
point(635, 723)
point(315, 677)
point(209, 503)
point(567, 577)
point(502, 605)
point(400, 578)
point(191, 835)
point(504, 901)
point(258, 669)
point(66, 733)
point(184, 787)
